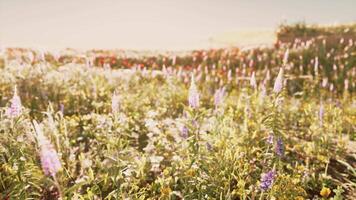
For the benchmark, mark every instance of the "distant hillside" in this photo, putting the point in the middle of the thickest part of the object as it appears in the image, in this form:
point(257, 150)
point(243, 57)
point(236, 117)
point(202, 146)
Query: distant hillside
point(304, 32)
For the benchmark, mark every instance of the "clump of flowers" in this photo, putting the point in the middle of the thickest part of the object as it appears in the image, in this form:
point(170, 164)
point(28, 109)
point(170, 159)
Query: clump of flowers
point(193, 98)
point(267, 180)
point(15, 108)
point(49, 157)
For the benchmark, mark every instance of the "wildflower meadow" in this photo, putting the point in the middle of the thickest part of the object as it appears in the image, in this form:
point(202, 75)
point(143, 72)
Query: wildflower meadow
point(267, 122)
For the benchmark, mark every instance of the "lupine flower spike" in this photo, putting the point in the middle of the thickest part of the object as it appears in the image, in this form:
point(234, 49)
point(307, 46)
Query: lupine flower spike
point(285, 58)
point(278, 84)
point(115, 101)
point(253, 82)
point(184, 132)
point(280, 147)
point(316, 66)
point(15, 108)
point(267, 180)
point(219, 97)
point(321, 114)
point(263, 90)
point(270, 138)
point(49, 157)
point(193, 95)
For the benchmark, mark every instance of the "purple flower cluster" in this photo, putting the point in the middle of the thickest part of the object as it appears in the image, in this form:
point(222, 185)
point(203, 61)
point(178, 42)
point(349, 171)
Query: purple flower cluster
point(219, 96)
point(280, 147)
point(193, 98)
point(253, 81)
point(285, 57)
point(15, 107)
point(49, 158)
point(267, 180)
point(270, 138)
point(184, 132)
point(115, 100)
point(61, 108)
point(278, 84)
point(208, 146)
point(321, 114)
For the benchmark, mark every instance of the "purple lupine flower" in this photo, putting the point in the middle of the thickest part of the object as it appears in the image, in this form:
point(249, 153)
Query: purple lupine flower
point(325, 82)
point(321, 114)
point(184, 132)
point(331, 87)
point(280, 147)
point(193, 98)
point(49, 158)
point(61, 108)
point(316, 65)
point(115, 100)
point(219, 96)
point(278, 84)
point(268, 75)
point(263, 90)
point(285, 58)
point(267, 180)
point(15, 108)
point(229, 75)
point(346, 84)
point(208, 146)
point(270, 138)
point(253, 82)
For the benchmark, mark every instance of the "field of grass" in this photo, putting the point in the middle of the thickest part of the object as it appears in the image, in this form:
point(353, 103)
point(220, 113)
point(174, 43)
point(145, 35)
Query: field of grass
point(260, 123)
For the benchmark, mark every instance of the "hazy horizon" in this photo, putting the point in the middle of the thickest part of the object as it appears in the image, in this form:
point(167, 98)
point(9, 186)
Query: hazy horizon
point(158, 24)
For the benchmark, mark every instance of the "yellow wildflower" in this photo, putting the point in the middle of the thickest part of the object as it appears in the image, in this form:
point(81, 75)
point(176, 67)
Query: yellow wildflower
point(325, 192)
point(190, 172)
point(166, 191)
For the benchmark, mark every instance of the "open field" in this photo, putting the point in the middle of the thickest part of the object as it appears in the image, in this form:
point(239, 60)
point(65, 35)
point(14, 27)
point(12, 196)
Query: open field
point(272, 122)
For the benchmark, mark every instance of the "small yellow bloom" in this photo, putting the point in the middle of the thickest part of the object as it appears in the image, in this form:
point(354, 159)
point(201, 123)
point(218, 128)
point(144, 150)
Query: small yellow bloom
point(166, 172)
point(299, 198)
point(325, 192)
point(191, 172)
point(166, 191)
point(322, 158)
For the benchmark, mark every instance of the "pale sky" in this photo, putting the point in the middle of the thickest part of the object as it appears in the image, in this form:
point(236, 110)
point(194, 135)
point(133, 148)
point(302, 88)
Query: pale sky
point(152, 24)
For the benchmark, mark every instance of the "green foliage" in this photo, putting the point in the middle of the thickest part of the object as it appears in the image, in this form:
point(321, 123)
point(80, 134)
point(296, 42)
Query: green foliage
point(140, 152)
